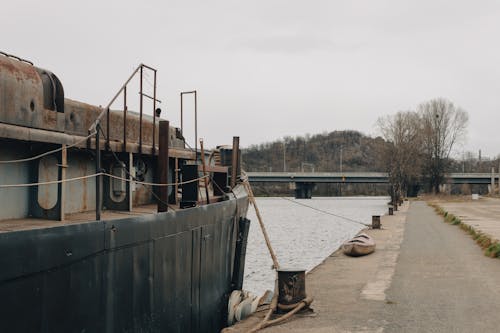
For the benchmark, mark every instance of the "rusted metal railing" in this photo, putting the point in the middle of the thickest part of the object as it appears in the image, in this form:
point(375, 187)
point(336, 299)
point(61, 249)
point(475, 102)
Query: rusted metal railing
point(123, 89)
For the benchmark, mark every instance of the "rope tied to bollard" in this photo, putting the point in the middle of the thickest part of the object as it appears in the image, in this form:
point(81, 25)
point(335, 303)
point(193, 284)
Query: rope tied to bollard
point(294, 308)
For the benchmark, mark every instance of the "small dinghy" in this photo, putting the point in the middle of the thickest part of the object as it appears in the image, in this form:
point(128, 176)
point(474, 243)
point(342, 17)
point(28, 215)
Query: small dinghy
point(360, 245)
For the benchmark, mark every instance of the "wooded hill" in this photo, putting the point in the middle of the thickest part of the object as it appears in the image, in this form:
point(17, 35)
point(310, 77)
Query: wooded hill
point(321, 153)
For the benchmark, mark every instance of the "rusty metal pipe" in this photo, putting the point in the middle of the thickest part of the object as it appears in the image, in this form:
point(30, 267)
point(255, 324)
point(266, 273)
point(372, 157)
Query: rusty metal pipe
point(204, 170)
point(196, 123)
point(154, 114)
point(140, 111)
point(148, 67)
point(234, 161)
point(125, 109)
point(97, 170)
point(182, 118)
point(151, 97)
point(163, 165)
point(107, 128)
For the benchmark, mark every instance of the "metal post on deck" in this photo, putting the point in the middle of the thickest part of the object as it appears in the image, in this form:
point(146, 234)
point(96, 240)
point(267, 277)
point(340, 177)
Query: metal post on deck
point(97, 170)
point(234, 162)
point(196, 123)
point(140, 111)
point(108, 120)
point(125, 109)
point(154, 114)
point(64, 165)
point(163, 165)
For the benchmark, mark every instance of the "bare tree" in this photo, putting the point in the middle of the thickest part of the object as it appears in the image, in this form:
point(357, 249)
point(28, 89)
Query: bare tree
point(443, 126)
point(402, 155)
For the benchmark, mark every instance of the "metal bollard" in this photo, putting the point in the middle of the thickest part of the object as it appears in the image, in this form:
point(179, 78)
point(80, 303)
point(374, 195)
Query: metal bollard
point(291, 286)
point(376, 222)
point(391, 211)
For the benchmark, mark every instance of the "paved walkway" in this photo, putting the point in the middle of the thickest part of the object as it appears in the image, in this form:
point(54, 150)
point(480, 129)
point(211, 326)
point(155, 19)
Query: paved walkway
point(436, 280)
point(443, 282)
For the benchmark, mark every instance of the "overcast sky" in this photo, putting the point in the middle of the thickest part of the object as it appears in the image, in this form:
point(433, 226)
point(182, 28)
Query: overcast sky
point(268, 69)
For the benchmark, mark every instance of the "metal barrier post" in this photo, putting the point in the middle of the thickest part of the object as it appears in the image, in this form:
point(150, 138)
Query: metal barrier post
point(97, 170)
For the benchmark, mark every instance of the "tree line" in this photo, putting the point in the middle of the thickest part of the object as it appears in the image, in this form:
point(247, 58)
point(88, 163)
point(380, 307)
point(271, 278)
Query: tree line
point(414, 147)
point(420, 144)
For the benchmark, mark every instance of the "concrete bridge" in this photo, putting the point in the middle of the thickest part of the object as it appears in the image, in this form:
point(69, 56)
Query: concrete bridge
point(305, 181)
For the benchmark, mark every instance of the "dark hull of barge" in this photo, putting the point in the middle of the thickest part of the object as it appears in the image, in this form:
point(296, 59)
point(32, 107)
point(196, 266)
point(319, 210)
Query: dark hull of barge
point(164, 272)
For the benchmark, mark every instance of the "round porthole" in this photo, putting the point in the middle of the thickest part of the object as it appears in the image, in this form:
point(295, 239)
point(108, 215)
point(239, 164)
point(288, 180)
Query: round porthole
point(32, 105)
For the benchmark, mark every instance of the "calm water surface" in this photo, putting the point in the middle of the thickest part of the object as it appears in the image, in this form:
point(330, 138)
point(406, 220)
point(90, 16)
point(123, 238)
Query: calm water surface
point(302, 237)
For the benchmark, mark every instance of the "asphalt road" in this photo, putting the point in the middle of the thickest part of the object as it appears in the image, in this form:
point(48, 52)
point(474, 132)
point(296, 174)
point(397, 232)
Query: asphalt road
point(442, 282)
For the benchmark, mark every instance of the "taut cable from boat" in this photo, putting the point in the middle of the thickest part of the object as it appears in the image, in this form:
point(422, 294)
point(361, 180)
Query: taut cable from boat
point(317, 209)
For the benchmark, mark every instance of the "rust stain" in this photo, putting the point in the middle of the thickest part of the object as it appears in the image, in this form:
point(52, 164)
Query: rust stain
point(20, 70)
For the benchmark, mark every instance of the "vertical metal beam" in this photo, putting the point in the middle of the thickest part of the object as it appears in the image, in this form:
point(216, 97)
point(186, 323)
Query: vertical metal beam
point(154, 115)
point(129, 183)
point(196, 124)
point(176, 189)
point(182, 116)
point(140, 110)
point(204, 170)
point(235, 157)
point(97, 170)
point(64, 165)
point(125, 109)
point(163, 165)
point(107, 128)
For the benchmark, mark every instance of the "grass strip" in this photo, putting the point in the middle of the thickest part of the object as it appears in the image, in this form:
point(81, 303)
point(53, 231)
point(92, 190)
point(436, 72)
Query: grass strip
point(490, 246)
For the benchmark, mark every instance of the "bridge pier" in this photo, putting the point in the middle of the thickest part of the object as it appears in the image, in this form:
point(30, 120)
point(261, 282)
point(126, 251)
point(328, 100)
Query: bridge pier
point(303, 190)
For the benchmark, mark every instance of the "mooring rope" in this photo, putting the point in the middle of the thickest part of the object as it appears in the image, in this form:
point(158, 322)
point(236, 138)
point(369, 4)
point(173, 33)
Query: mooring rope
point(274, 302)
point(101, 174)
point(318, 209)
point(251, 197)
point(325, 212)
point(48, 152)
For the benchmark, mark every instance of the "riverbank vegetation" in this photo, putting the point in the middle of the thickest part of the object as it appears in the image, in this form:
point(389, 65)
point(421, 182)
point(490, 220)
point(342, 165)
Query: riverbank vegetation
point(490, 246)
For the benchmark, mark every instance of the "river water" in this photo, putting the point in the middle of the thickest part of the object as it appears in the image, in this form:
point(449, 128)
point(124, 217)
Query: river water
point(303, 233)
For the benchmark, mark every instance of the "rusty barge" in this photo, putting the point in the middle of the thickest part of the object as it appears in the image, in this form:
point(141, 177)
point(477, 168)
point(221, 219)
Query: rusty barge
point(109, 222)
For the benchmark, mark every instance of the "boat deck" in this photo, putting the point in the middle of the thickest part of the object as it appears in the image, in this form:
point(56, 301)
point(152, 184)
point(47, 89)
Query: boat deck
point(37, 223)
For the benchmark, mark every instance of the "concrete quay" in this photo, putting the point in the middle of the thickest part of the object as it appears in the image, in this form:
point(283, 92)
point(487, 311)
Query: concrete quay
point(425, 276)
